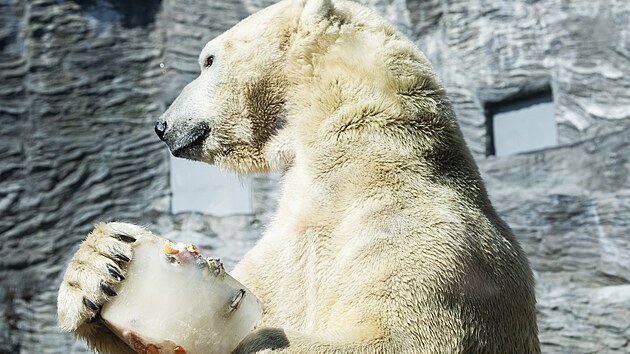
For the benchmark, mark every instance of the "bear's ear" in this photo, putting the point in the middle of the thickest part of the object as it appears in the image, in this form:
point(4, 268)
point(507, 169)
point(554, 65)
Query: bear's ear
point(315, 10)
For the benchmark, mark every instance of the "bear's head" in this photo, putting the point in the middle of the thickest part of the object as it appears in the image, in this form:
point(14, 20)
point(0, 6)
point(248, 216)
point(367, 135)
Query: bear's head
point(306, 79)
point(230, 112)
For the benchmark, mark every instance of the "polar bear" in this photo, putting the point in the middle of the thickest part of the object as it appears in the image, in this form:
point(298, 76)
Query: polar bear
point(384, 241)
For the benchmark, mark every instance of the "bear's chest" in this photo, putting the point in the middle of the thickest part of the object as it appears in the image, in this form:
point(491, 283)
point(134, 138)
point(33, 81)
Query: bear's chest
point(320, 273)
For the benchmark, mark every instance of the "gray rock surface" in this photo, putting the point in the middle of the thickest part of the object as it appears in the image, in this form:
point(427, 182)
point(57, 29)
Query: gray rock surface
point(82, 82)
point(80, 88)
point(569, 208)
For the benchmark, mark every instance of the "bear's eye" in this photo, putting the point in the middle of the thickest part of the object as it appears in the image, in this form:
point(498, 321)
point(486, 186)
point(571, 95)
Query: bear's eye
point(209, 61)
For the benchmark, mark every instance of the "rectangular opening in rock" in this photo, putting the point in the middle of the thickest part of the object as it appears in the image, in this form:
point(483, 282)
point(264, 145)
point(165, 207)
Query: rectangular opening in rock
point(522, 124)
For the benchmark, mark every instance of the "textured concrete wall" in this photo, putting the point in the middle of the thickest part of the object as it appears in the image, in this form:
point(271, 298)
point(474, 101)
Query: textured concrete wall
point(82, 82)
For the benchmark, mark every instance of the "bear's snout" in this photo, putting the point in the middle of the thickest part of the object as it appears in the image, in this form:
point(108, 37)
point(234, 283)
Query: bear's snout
point(160, 129)
point(183, 140)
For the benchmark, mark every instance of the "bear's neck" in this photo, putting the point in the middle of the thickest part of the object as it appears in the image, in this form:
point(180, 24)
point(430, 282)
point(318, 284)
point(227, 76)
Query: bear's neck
point(365, 147)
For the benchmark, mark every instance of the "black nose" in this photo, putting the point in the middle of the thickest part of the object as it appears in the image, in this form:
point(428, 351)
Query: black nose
point(160, 129)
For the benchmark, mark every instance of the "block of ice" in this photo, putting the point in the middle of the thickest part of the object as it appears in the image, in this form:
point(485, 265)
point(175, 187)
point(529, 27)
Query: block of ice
point(175, 301)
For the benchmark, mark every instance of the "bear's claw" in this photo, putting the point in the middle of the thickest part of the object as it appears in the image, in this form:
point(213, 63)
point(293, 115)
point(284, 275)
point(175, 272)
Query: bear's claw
point(108, 290)
point(115, 272)
point(121, 257)
point(90, 304)
point(124, 237)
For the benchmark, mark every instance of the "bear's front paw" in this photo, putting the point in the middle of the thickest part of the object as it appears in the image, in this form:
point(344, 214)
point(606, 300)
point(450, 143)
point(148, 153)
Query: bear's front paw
point(95, 272)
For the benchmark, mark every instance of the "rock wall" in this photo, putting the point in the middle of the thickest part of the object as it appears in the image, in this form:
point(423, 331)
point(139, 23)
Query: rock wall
point(80, 89)
point(84, 80)
point(569, 208)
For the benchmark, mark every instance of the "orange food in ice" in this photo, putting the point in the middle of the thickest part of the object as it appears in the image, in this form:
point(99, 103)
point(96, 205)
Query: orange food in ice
point(152, 349)
point(169, 248)
point(172, 249)
point(192, 248)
